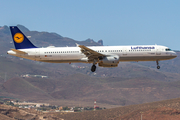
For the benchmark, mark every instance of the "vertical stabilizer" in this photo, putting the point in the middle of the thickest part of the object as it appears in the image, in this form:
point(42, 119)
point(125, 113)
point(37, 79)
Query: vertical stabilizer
point(19, 39)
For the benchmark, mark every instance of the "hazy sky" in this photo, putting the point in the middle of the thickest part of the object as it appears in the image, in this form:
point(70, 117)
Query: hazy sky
point(116, 22)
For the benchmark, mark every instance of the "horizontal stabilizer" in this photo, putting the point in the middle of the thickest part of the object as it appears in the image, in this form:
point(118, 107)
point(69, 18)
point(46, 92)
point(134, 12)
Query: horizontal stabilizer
point(18, 51)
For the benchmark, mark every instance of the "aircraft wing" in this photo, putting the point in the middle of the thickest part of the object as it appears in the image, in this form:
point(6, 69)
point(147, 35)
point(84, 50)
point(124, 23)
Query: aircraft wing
point(18, 51)
point(91, 54)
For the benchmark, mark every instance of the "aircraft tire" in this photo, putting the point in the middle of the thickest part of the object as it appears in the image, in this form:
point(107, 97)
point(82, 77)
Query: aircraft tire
point(158, 67)
point(93, 68)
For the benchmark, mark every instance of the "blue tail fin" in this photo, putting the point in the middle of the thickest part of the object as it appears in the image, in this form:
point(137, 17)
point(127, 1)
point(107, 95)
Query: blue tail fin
point(20, 40)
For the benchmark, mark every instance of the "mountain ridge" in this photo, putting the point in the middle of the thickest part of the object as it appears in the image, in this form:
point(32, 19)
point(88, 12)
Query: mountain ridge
point(40, 39)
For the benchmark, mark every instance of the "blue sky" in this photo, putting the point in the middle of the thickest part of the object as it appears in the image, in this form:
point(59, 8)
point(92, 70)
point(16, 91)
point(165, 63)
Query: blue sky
point(116, 22)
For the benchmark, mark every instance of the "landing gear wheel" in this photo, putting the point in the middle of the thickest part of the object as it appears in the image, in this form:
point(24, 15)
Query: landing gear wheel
point(158, 67)
point(93, 68)
point(157, 62)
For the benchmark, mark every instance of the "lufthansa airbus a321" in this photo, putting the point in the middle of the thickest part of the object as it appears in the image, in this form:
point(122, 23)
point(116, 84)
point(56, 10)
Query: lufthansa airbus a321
point(104, 56)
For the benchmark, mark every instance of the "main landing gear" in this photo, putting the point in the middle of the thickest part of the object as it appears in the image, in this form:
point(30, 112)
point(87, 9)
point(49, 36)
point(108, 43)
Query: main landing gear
point(93, 68)
point(157, 62)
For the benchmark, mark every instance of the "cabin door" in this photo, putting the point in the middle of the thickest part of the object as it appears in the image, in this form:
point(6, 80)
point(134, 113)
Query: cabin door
point(158, 52)
point(37, 54)
point(124, 51)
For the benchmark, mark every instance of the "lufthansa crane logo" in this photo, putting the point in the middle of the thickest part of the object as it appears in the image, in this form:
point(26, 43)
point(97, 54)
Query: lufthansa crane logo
point(18, 37)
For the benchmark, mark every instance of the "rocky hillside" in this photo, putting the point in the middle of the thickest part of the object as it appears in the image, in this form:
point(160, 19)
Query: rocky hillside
point(74, 84)
point(161, 110)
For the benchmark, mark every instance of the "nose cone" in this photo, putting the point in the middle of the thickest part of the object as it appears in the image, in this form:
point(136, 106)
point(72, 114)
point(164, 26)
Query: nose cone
point(173, 54)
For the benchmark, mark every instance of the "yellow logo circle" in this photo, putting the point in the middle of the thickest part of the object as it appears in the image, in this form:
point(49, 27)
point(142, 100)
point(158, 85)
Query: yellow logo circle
point(18, 37)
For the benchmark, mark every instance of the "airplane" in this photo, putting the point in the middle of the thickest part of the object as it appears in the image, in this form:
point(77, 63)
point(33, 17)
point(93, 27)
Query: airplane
point(104, 56)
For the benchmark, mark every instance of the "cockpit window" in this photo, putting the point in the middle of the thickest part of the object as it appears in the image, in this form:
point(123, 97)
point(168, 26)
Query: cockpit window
point(167, 49)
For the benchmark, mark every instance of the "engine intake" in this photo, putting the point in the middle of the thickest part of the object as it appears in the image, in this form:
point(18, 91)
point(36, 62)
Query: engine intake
point(109, 61)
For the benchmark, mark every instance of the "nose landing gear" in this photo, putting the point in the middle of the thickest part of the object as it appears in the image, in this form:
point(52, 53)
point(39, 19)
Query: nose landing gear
point(157, 62)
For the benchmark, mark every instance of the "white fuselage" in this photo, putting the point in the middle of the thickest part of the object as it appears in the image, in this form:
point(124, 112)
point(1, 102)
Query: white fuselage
point(74, 54)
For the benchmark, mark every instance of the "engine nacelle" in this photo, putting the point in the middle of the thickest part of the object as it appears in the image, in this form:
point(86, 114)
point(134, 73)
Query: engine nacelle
point(110, 61)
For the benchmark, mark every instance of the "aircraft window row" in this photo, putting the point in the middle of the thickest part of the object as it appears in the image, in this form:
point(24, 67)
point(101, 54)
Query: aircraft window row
point(100, 51)
point(139, 50)
point(62, 52)
point(121, 50)
point(114, 50)
point(129, 50)
point(109, 50)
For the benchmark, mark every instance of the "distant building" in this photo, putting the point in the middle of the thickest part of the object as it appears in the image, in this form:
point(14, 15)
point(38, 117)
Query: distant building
point(61, 108)
point(67, 110)
point(32, 104)
point(36, 76)
point(38, 105)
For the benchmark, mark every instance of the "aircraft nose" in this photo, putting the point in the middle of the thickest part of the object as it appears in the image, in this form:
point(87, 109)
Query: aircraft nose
point(174, 54)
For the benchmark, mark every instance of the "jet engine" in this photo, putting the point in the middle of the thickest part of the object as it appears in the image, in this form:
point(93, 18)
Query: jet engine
point(109, 61)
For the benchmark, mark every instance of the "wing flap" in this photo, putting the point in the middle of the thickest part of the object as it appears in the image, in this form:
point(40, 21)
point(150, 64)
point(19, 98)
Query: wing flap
point(91, 54)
